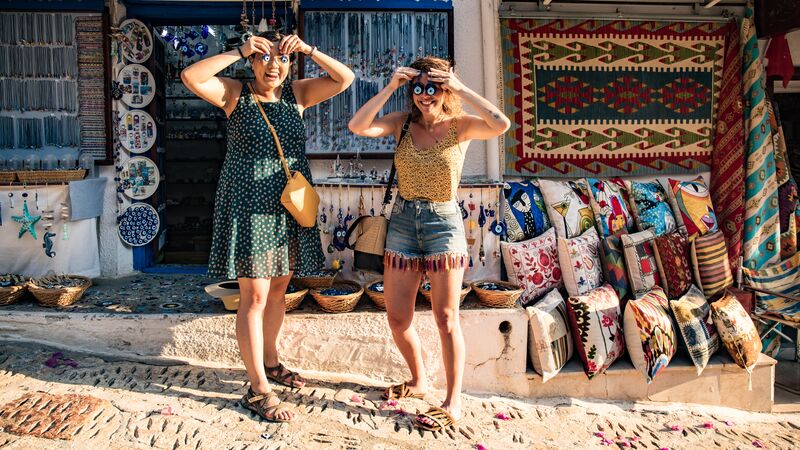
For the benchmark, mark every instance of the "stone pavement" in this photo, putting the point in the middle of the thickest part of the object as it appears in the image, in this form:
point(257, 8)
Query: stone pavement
point(118, 404)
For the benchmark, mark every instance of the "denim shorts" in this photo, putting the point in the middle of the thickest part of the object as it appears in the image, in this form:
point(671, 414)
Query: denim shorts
point(426, 236)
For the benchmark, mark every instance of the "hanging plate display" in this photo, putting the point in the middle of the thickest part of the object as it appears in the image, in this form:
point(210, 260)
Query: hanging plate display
point(137, 84)
point(137, 131)
point(137, 44)
point(139, 177)
point(139, 225)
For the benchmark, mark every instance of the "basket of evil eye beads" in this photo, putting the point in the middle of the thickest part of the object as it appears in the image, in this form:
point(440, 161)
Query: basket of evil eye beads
point(375, 293)
point(341, 297)
point(425, 290)
point(316, 280)
point(59, 290)
point(497, 294)
point(12, 288)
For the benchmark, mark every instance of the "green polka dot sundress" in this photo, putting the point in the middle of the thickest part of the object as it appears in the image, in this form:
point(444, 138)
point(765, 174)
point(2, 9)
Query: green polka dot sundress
point(254, 236)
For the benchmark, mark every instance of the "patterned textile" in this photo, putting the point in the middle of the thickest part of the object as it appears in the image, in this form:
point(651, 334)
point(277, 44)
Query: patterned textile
point(650, 206)
point(672, 256)
point(91, 84)
point(550, 342)
point(610, 204)
point(783, 278)
point(533, 265)
point(710, 261)
point(525, 213)
point(737, 331)
point(692, 319)
point(727, 167)
point(567, 205)
point(691, 203)
point(761, 228)
point(595, 321)
point(580, 262)
point(614, 270)
point(640, 258)
point(610, 97)
point(649, 336)
point(787, 205)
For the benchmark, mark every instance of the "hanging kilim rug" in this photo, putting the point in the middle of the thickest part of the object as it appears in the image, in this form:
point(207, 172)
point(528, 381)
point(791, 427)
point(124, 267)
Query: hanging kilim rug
point(610, 97)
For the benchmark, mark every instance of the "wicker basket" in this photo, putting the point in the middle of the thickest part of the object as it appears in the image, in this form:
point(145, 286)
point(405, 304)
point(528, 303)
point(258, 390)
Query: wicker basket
point(11, 294)
point(50, 176)
point(61, 296)
point(376, 297)
point(294, 299)
point(8, 177)
point(339, 303)
point(317, 281)
point(465, 289)
point(497, 299)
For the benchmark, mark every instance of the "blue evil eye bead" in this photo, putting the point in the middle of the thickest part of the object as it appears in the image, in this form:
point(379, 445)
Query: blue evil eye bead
point(430, 90)
point(498, 228)
point(201, 49)
point(204, 31)
point(188, 53)
point(284, 59)
point(167, 36)
point(192, 34)
point(417, 89)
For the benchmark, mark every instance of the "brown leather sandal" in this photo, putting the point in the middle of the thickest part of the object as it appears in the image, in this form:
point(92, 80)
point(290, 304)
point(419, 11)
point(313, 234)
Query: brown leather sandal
point(281, 375)
point(258, 404)
point(398, 391)
point(441, 419)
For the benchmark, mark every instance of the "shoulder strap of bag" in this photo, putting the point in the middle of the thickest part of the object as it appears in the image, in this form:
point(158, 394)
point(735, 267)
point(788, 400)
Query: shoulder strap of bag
point(387, 197)
point(271, 130)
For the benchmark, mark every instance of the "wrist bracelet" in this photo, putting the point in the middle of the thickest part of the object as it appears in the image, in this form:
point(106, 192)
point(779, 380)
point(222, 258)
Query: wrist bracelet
point(311, 53)
point(239, 49)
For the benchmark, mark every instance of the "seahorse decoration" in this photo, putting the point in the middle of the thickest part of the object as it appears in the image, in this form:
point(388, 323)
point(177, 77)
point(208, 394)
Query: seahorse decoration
point(48, 244)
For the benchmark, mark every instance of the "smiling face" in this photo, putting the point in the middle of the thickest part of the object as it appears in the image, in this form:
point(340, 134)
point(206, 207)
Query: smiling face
point(270, 70)
point(434, 102)
point(428, 103)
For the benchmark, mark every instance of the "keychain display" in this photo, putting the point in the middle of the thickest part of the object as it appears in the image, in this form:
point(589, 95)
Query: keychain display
point(139, 177)
point(137, 131)
point(137, 85)
point(139, 225)
point(137, 41)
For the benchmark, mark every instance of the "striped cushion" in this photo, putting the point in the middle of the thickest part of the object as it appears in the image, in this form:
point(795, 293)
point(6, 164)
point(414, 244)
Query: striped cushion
point(550, 341)
point(783, 278)
point(711, 267)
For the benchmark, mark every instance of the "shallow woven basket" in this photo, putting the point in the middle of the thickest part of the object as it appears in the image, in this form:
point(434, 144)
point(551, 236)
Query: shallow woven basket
point(12, 294)
point(376, 297)
point(464, 291)
point(338, 303)
point(294, 299)
point(62, 296)
point(497, 299)
point(316, 282)
point(8, 177)
point(50, 176)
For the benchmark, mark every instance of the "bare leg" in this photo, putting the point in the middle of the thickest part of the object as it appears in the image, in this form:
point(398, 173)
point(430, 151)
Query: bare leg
point(273, 321)
point(401, 293)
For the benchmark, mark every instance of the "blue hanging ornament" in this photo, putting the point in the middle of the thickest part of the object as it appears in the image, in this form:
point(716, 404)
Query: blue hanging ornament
point(339, 234)
point(498, 228)
point(166, 35)
point(464, 213)
point(192, 34)
point(482, 217)
point(201, 48)
point(204, 31)
point(48, 244)
point(26, 221)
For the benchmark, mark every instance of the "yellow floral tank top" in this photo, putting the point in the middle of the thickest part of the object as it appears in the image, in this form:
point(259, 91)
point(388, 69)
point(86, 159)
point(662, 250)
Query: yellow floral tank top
point(430, 174)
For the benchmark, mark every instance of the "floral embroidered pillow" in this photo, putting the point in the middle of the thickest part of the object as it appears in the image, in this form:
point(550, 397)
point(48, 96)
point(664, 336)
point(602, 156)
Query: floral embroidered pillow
point(610, 205)
point(650, 206)
point(580, 262)
point(550, 341)
point(533, 265)
point(692, 320)
point(691, 203)
point(524, 212)
point(737, 331)
point(649, 336)
point(640, 259)
point(567, 204)
point(674, 268)
point(596, 325)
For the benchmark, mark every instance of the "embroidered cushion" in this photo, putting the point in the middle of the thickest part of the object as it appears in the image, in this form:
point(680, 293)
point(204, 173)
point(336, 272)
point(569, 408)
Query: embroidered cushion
point(567, 204)
point(691, 203)
point(614, 270)
point(640, 259)
point(580, 262)
point(550, 341)
point(674, 268)
point(783, 278)
point(595, 321)
point(692, 320)
point(609, 202)
point(712, 268)
point(737, 331)
point(533, 265)
point(649, 336)
point(650, 207)
point(524, 213)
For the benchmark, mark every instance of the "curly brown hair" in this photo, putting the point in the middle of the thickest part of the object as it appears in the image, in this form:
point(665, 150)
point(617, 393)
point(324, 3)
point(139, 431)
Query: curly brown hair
point(451, 104)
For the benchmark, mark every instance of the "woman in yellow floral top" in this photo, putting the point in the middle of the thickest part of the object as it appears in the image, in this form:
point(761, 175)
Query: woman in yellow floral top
point(426, 232)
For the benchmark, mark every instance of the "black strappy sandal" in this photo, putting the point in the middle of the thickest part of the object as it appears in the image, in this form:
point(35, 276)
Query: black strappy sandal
point(283, 376)
point(258, 404)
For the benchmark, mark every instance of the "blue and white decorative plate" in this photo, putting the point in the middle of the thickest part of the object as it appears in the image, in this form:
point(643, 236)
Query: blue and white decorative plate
point(139, 225)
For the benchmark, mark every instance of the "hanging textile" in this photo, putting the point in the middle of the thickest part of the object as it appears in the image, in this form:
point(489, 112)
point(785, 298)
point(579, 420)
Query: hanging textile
point(779, 59)
point(727, 167)
point(787, 190)
point(761, 227)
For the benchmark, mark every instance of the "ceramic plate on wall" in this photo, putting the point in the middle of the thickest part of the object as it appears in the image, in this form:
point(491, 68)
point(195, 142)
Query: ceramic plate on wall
point(138, 43)
point(139, 177)
point(137, 84)
point(139, 225)
point(137, 131)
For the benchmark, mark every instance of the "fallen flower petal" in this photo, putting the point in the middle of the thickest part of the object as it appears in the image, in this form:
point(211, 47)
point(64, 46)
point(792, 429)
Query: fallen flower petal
point(51, 363)
point(664, 448)
point(625, 444)
point(502, 416)
point(636, 438)
point(606, 441)
point(729, 423)
point(356, 399)
point(599, 434)
point(708, 426)
point(758, 444)
point(676, 428)
point(480, 446)
point(168, 411)
point(57, 355)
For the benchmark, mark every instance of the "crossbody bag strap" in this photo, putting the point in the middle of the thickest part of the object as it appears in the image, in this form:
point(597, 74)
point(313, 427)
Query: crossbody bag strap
point(387, 196)
point(271, 130)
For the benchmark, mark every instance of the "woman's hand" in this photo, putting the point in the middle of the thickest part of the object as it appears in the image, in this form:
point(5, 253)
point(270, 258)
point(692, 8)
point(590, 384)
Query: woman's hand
point(256, 44)
point(292, 43)
point(402, 75)
point(448, 80)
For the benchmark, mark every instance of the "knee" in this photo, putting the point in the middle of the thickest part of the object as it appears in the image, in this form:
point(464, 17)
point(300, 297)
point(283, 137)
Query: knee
point(254, 302)
point(399, 322)
point(446, 320)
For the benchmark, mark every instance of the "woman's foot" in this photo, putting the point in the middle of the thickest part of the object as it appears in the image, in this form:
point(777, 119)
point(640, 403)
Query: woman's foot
point(280, 374)
point(412, 389)
point(442, 417)
point(267, 405)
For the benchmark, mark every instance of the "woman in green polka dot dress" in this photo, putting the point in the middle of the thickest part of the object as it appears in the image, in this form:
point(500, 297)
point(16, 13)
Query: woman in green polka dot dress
point(255, 239)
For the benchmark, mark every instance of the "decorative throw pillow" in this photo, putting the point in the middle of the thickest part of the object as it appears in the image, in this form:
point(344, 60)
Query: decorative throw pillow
point(610, 205)
point(580, 262)
point(524, 213)
point(595, 321)
point(783, 278)
point(550, 342)
point(672, 256)
point(692, 319)
point(650, 207)
point(640, 258)
point(614, 271)
point(712, 269)
point(737, 331)
point(568, 206)
point(691, 203)
point(533, 264)
point(649, 336)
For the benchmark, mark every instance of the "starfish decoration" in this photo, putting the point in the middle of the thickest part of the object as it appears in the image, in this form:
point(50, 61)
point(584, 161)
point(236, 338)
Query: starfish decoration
point(27, 221)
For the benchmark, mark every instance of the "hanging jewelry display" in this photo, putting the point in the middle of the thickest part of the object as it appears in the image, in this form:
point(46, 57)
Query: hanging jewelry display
point(137, 131)
point(137, 42)
point(139, 224)
point(91, 82)
point(481, 224)
point(65, 218)
point(137, 84)
point(139, 177)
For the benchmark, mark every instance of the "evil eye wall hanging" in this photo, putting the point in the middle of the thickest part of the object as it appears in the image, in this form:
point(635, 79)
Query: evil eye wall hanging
point(137, 43)
point(139, 224)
